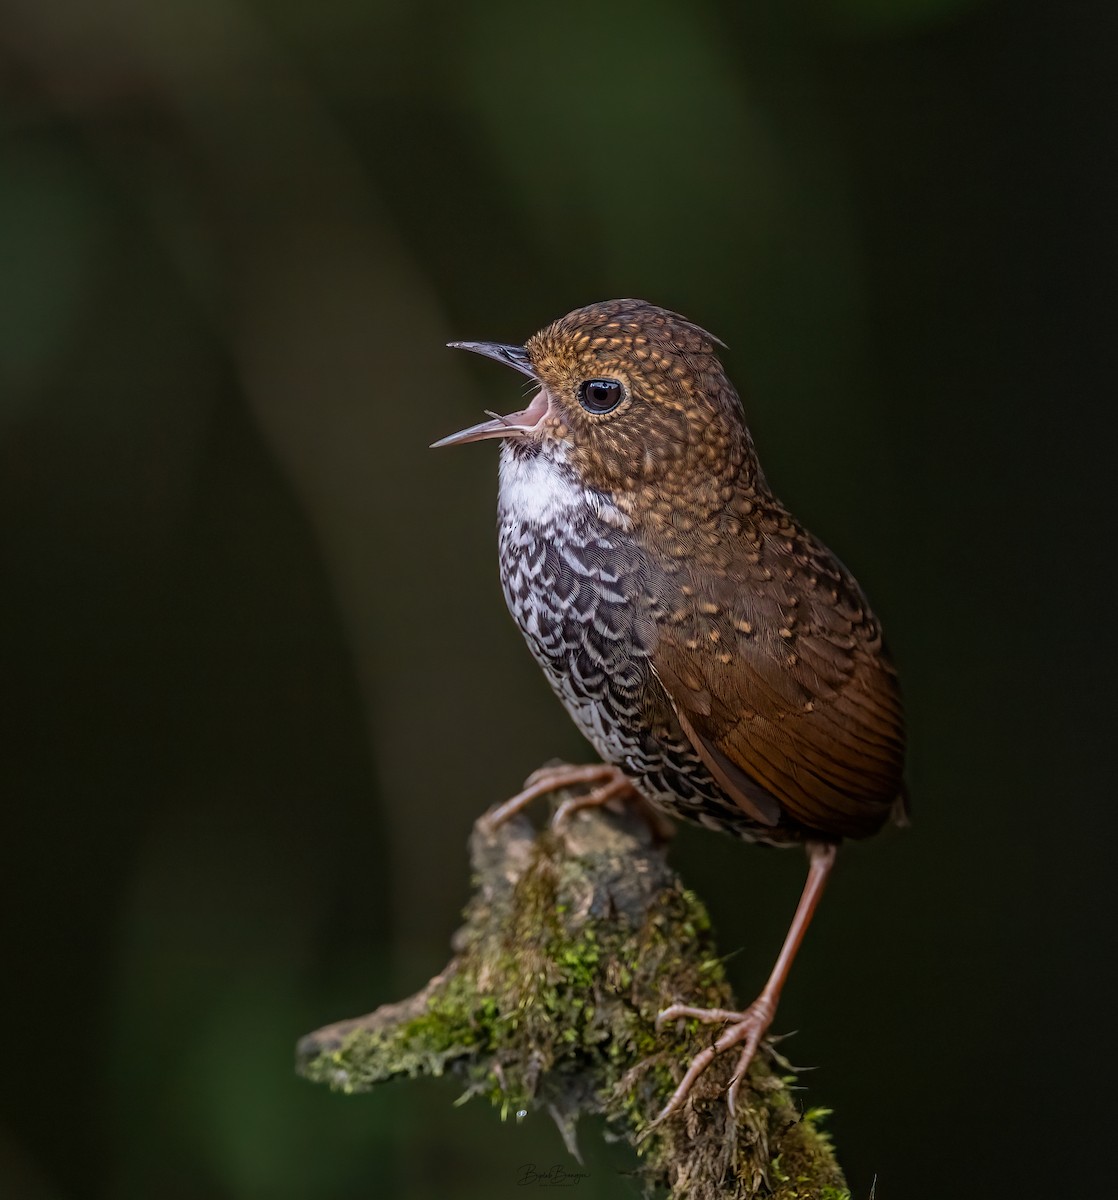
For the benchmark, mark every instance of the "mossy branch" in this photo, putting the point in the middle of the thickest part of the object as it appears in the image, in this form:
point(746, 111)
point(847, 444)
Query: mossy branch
point(573, 941)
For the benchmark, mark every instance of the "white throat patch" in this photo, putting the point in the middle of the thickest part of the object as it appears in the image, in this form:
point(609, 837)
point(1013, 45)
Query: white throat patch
point(541, 490)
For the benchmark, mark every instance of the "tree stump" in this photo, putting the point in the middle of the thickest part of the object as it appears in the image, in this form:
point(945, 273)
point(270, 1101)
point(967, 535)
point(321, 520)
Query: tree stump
point(574, 940)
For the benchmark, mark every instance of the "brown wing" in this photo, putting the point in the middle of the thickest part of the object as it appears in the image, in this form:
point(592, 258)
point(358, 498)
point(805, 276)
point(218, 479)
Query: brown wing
point(779, 678)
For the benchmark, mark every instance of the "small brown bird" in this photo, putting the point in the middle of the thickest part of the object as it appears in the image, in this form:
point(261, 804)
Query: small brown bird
point(719, 658)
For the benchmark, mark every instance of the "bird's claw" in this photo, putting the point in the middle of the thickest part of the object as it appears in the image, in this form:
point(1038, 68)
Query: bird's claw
point(749, 1027)
point(618, 786)
point(605, 782)
point(708, 1016)
point(543, 782)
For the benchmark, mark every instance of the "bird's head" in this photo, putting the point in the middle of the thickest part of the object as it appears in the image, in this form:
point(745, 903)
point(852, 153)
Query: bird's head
point(630, 396)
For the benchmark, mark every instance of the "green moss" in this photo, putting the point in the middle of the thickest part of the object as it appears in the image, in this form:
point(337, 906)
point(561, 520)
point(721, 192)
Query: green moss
point(547, 1004)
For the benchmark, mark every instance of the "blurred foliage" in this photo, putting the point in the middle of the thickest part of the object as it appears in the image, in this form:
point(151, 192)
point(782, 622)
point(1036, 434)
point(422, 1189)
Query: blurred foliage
point(257, 675)
point(50, 225)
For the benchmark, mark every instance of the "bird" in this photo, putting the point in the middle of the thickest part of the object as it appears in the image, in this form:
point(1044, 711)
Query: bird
point(721, 660)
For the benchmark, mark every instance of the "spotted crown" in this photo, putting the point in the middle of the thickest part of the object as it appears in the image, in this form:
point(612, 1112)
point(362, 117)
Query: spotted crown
point(679, 426)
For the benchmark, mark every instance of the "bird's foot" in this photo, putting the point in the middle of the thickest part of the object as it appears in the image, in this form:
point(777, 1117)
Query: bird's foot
point(606, 783)
point(554, 779)
point(747, 1027)
point(614, 787)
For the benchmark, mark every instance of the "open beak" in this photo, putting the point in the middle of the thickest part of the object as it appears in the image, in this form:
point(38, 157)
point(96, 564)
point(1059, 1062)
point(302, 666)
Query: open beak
point(515, 424)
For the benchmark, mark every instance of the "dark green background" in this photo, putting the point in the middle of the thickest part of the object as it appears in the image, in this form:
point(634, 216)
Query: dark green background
point(257, 677)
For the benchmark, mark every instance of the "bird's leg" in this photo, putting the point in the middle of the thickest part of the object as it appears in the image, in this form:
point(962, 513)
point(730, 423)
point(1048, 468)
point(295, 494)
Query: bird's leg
point(607, 782)
point(750, 1026)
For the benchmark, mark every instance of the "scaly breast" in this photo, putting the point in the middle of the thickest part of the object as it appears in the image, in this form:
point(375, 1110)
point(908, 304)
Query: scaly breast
point(574, 579)
point(569, 575)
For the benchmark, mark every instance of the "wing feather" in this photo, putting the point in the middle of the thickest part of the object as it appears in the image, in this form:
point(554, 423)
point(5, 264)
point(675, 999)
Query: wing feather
point(782, 684)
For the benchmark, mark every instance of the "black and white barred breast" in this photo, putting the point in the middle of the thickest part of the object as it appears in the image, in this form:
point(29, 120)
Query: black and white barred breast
point(574, 580)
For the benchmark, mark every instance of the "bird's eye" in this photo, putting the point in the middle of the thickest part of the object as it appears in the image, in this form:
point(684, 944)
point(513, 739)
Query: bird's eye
point(600, 395)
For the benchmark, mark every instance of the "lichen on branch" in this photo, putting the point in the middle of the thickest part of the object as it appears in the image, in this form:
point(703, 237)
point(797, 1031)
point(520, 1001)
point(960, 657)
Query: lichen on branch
point(573, 941)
